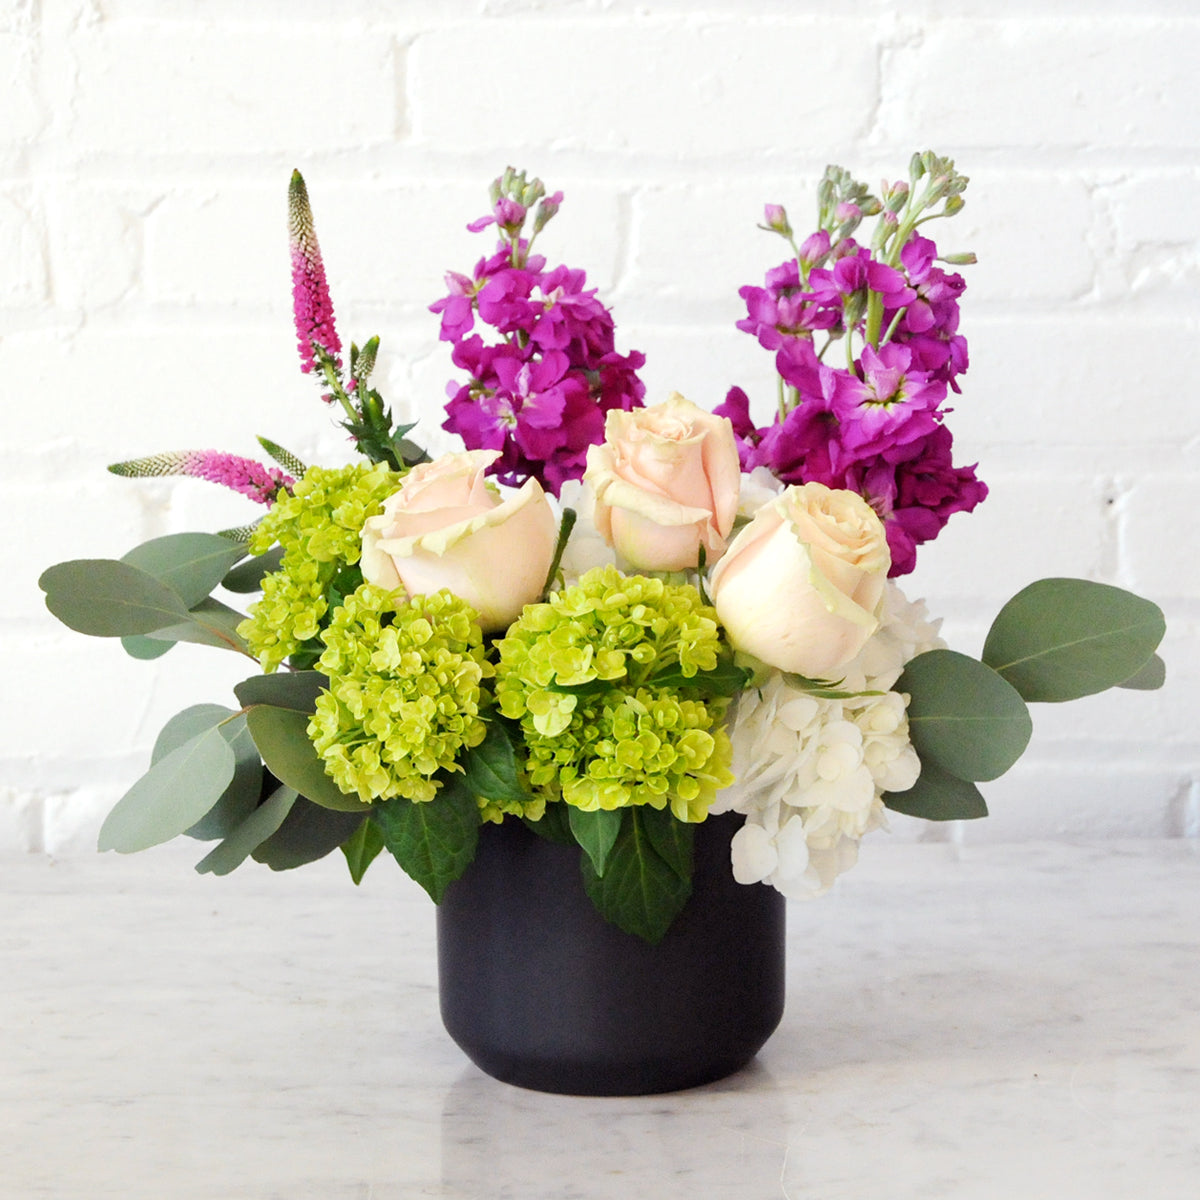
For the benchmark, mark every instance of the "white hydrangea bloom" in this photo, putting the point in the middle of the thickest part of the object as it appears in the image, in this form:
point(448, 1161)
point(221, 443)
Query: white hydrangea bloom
point(811, 772)
point(585, 548)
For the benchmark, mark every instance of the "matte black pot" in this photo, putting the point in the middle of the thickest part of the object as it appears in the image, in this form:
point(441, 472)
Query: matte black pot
point(540, 991)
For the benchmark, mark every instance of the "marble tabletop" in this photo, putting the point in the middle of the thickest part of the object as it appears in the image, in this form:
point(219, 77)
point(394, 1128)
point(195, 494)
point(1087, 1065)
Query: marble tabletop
point(983, 1023)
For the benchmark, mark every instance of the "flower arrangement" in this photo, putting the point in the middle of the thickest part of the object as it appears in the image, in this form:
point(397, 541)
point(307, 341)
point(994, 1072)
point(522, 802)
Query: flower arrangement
point(605, 620)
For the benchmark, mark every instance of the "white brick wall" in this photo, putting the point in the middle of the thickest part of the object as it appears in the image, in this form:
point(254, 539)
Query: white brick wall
point(145, 147)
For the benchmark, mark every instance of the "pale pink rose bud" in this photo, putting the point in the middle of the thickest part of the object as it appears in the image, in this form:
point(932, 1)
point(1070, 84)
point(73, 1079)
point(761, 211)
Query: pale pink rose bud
point(800, 587)
point(447, 527)
point(665, 483)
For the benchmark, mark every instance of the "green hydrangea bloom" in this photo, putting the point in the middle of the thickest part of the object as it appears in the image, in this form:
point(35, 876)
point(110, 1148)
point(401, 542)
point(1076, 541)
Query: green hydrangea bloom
point(319, 527)
point(619, 740)
point(404, 694)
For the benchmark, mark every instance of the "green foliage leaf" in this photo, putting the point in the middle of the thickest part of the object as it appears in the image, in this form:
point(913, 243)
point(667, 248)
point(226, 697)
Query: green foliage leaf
point(248, 576)
point(963, 716)
point(242, 795)
point(191, 564)
point(106, 598)
point(938, 796)
point(184, 726)
point(138, 645)
point(308, 832)
point(249, 834)
point(210, 623)
point(434, 841)
point(172, 796)
point(361, 849)
point(641, 892)
point(1059, 639)
point(1153, 675)
point(596, 832)
point(297, 690)
point(725, 679)
point(555, 823)
point(281, 735)
point(490, 769)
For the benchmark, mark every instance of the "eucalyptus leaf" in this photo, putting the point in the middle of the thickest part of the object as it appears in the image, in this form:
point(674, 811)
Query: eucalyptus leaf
point(244, 792)
point(938, 796)
point(490, 769)
point(172, 796)
point(963, 716)
point(248, 576)
point(138, 645)
point(106, 598)
point(296, 690)
point(1059, 639)
point(433, 841)
point(185, 725)
point(640, 891)
point(308, 832)
point(281, 735)
point(596, 832)
point(249, 834)
point(191, 564)
point(209, 623)
point(1152, 676)
point(361, 849)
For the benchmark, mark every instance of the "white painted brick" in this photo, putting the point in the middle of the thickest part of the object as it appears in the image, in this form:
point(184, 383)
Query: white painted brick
point(23, 280)
point(700, 88)
point(1158, 535)
point(1045, 82)
point(22, 109)
point(1080, 380)
point(20, 820)
point(1156, 240)
point(95, 244)
point(205, 88)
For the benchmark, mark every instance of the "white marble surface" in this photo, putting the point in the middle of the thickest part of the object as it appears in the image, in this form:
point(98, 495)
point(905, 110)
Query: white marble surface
point(984, 1024)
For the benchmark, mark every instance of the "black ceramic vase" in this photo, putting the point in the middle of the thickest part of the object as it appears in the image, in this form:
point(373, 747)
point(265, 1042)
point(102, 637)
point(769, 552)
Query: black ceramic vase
point(540, 991)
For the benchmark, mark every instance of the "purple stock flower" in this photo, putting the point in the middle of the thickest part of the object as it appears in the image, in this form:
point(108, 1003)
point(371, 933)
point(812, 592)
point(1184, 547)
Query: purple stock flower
point(311, 305)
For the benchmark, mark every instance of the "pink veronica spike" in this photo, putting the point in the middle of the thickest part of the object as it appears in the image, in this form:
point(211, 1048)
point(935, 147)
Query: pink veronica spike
point(243, 475)
point(311, 304)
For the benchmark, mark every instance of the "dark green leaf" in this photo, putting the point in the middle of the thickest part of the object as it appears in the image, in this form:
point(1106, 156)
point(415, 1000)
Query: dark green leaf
point(172, 796)
point(725, 679)
point(569, 517)
point(434, 841)
point(593, 687)
point(210, 623)
point(105, 598)
point(1153, 675)
point(361, 849)
point(247, 836)
point(672, 839)
point(191, 564)
point(248, 576)
point(490, 769)
point(1059, 639)
point(281, 735)
point(938, 796)
point(824, 689)
point(554, 824)
point(296, 690)
point(596, 832)
point(308, 832)
point(640, 892)
point(244, 792)
point(138, 645)
point(963, 716)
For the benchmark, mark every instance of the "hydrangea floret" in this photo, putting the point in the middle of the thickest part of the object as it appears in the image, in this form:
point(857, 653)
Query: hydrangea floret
point(319, 528)
point(405, 690)
point(600, 678)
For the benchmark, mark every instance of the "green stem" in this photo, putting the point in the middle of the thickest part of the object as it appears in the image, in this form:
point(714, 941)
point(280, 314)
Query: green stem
point(891, 329)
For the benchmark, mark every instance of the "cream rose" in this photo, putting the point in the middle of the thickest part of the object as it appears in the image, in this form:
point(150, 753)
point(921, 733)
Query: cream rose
point(447, 528)
point(801, 585)
point(665, 483)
